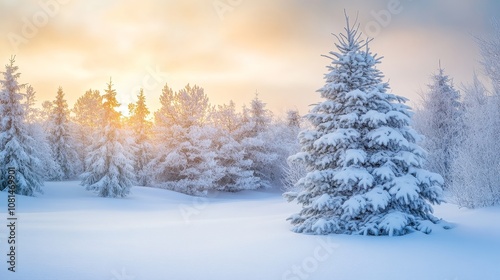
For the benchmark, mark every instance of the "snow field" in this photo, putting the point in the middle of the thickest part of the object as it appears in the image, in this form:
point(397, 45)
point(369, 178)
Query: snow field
point(70, 233)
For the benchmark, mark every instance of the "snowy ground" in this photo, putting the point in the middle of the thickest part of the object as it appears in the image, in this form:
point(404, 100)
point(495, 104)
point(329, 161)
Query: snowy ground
point(68, 233)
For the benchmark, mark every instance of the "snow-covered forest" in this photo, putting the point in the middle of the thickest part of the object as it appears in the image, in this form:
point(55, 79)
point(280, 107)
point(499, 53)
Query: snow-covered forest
point(217, 191)
point(188, 145)
point(193, 147)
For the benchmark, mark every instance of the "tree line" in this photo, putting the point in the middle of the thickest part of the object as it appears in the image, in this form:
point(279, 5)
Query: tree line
point(360, 164)
point(191, 146)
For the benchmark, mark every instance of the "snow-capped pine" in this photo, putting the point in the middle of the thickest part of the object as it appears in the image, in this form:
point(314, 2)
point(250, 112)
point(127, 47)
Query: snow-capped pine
point(235, 172)
point(291, 171)
point(36, 123)
point(184, 160)
point(141, 129)
point(365, 172)
point(253, 137)
point(63, 149)
point(17, 146)
point(31, 113)
point(87, 119)
point(110, 170)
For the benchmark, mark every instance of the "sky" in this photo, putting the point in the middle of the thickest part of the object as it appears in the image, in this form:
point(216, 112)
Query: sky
point(234, 48)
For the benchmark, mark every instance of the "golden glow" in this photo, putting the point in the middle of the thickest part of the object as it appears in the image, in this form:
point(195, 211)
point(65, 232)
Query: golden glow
point(273, 47)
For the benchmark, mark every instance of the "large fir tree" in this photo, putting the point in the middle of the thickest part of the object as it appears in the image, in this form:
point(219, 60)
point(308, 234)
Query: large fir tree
point(365, 171)
point(110, 170)
point(17, 147)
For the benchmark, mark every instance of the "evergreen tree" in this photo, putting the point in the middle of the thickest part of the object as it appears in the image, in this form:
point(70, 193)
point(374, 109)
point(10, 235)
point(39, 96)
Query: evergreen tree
point(292, 171)
point(36, 121)
point(255, 119)
point(45, 113)
point(60, 139)
point(365, 171)
point(257, 142)
point(87, 119)
point(235, 172)
point(110, 170)
point(226, 118)
point(17, 147)
point(440, 121)
point(260, 117)
point(141, 129)
point(185, 161)
point(293, 118)
point(31, 113)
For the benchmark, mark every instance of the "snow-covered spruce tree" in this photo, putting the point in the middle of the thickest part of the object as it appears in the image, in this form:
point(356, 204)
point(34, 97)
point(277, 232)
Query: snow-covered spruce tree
point(364, 168)
point(17, 147)
point(87, 119)
point(60, 140)
point(184, 160)
point(141, 129)
point(31, 114)
point(45, 113)
point(440, 121)
point(36, 122)
point(260, 117)
point(110, 170)
point(235, 172)
point(252, 135)
point(225, 117)
point(292, 170)
point(293, 118)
